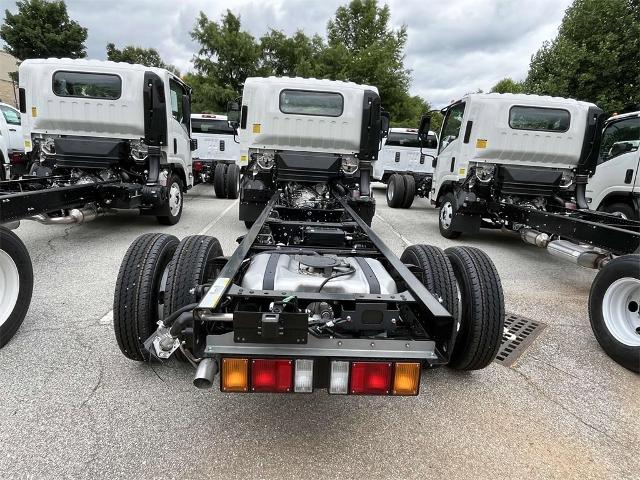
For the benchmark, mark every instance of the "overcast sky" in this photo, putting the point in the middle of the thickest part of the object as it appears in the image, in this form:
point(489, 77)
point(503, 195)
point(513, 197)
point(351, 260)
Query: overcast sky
point(454, 46)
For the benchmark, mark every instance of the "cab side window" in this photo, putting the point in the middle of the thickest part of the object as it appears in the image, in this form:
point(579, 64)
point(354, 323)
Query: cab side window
point(619, 138)
point(176, 92)
point(451, 127)
point(10, 115)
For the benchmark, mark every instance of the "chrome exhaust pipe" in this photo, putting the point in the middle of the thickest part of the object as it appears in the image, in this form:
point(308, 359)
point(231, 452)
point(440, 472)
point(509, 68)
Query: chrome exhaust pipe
point(534, 237)
point(206, 372)
point(76, 216)
point(582, 255)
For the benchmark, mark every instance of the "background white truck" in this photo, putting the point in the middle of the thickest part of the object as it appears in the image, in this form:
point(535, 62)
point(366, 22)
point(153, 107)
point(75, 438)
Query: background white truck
point(615, 187)
point(215, 160)
point(521, 163)
point(93, 121)
point(299, 132)
point(402, 165)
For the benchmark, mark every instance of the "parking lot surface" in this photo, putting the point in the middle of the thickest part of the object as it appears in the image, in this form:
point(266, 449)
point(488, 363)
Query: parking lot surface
point(72, 406)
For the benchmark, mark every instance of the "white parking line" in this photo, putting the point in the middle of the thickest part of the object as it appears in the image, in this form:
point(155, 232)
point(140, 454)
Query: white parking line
point(402, 238)
point(217, 219)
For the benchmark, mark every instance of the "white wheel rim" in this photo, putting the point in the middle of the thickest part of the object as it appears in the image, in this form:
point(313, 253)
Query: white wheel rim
point(390, 190)
point(9, 286)
point(621, 311)
point(175, 199)
point(446, 213)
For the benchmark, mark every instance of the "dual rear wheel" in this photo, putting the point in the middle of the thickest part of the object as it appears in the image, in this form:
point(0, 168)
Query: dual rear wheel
point(401, 191)
point(466, 282)
point(226, 180)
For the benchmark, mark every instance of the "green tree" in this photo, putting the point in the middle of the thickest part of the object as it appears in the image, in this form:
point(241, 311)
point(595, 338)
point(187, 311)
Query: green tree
point(508, 85)
point(42, 29)
point(363, 48)
point(296, 56)
point(143, 56)
point(227, 56)
point(595, 57)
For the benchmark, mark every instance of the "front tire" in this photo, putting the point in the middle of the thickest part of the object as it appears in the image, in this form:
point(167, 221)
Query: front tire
point(448, 209)
point(482, 315)
point(395, 191)
point(623, 210)
point(614, 310)
point(136, 299)
point(219, 180)
point(171, 211)
point(16, 284)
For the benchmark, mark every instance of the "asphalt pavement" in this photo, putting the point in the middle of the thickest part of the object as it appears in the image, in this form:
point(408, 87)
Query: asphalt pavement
point(72, 406)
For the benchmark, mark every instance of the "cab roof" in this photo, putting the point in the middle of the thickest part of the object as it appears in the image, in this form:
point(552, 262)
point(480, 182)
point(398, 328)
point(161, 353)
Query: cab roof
point(301, 82)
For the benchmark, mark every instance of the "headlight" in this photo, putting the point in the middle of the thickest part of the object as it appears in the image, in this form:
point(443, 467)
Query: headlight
point(349, 165)
point(139, 150)
point(265, 161)
point(485, 172)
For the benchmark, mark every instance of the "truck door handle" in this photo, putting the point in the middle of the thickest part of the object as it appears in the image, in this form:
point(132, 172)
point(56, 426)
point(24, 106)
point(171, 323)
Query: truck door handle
point(12, 130)
point(175, 146)
point(628, 176)
point(453, 163)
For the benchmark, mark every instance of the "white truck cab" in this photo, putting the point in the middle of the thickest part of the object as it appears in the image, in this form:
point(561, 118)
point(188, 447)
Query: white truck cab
point(519, 149)
point(96, 121)
point(218, 152)
point(615, 187)
point(308, 136)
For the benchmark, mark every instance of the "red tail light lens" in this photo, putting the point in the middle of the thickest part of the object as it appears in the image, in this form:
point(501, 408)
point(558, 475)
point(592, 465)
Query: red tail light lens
point(16, 157)
point(197, 166)
point(270, 375)
point(371, 378)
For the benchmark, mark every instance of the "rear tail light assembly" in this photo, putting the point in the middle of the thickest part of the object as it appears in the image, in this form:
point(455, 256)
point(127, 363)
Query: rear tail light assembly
point(286, 375)
point(197, 166)
point(16, 158)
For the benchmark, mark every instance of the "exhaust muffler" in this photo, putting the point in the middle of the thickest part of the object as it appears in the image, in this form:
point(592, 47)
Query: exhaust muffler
point(582, 255)
point(534, 237)
point(206, 372)
point(76, 216)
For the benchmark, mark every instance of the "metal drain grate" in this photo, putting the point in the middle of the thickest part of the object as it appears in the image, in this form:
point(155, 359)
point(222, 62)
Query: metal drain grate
point(519, 333)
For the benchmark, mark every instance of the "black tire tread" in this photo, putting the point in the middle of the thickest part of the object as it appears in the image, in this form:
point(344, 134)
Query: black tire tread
point(438, 276)
point(449, 234)
point(16, 249)
point(398, 192)
point(219, 177)
point(134, 310)
point(409, 191)
point(482, 328)
point(231, 181)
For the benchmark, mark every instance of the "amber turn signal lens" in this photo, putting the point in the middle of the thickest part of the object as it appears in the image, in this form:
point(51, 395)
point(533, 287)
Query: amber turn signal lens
point(235, 374)
point(407, 379)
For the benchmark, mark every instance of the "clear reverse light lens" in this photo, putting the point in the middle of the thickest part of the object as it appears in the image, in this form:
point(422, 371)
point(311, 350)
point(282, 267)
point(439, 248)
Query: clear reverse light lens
point(339, 383)
point(303, 376)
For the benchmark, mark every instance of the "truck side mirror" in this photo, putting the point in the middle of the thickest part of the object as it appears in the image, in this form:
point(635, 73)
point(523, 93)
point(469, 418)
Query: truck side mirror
point(233, 114)
point(194, 144)
point(423, 131)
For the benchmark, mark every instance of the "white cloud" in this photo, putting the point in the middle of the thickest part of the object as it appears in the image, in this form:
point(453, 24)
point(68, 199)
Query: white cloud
point(453, 47)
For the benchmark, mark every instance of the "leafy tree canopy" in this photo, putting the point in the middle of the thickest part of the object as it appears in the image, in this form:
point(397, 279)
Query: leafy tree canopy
point(508, 85)
point(42, 29)
point(595, 57)
point(143, 56)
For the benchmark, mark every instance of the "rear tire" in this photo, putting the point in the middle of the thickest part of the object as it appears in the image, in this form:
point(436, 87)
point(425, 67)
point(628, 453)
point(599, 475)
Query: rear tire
point(625, 210)
point(219, 180)
point(16, 284)
point(232, 181)
point(448, 208)
point(437, 274)
point(136, 299)
point(171, 211)
point(395, 191)
point(482, 316)
point(614, 310)
point(409, 191)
